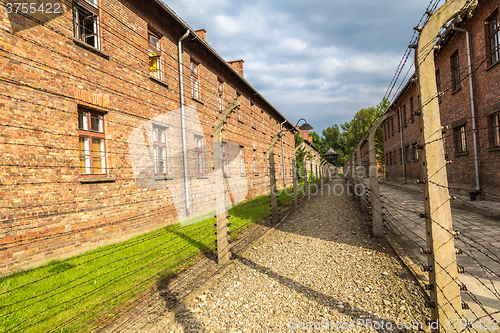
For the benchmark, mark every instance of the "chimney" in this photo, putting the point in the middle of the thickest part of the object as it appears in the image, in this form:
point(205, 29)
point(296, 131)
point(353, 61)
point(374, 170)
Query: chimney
point(237, 65)
point(202, 33)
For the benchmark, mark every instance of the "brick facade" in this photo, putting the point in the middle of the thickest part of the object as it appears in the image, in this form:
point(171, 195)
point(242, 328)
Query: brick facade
point(455, 109)
point(50, 207)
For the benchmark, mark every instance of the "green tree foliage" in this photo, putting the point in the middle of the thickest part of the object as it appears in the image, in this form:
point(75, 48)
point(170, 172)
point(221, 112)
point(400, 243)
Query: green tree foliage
point(344, 138)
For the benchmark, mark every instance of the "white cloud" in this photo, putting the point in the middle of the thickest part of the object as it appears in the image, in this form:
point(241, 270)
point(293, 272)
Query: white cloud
point(329, 57)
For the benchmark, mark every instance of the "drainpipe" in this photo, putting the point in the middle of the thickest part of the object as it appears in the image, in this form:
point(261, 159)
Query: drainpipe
point(283, 155)
point(183, 123)
point(474, 130)
point(402, 147)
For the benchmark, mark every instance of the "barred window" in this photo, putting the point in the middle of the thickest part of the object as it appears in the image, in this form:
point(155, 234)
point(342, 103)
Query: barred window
point(160, 149)
point(493, 38)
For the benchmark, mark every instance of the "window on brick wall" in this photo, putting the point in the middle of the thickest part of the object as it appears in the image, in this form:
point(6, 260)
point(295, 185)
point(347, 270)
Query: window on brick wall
point(154, 56)
point(445, 146)
point(91, 142)
point(86, 22)
point(238, 109)
point(392, 126)
point(252, 115)
point(461, 139)
point(160, 149)
point(438, 85)
point(265, 164)
point(195, 83)
point(404, 115)
point(254, 162)
point(224, 159)
point(198, 154)
point(455, 71)
point(220, 95)
point(242, 162)
point(412, 109)
point(415, 151)
point(263, 122)
point(495, 129)
point(493, 38)
point(408, 153)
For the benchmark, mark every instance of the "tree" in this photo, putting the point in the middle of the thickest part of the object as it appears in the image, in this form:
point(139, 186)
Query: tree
point(344, 138)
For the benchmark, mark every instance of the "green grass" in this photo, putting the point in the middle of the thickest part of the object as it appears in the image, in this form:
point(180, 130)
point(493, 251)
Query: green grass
point(73, 294)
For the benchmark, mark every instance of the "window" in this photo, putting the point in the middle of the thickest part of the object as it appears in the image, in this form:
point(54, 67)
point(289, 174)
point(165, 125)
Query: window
point(265, 164)
point(254, 163)
point(493, 29)
point(408, 153)
point(438, 85)
point(220, 95)
point(390, 158)
point(238, 109)
point(198, 154)
point(455, 71)
point(263, 124)
point(445, 147)
point(224, 159)
point(415, 151)
point(160, 149)
point(412, 116)
point(251, 116)
point(195, 87)
point(91, 142)
point(86, 22)
point(397, 121)
point(392, 126)
point(495, 127)
point(242, 162)
point(404, 115)
point(154, 56)
point(460, 137)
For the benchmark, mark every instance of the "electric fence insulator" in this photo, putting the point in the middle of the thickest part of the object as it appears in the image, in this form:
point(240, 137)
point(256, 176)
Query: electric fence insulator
point(465, 306)
point(417, 113)
point(459, 251)
point(421, 181)
point(456, 234)
point(429, 287)
point(463, 287)
point(425, 251)
point(430, 304)
point(461, 269)
point(423, 215)
point(427, 268)
point(417, 28)
point(453, 197)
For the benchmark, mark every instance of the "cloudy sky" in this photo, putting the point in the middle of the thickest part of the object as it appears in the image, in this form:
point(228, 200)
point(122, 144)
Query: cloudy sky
point(319, 59)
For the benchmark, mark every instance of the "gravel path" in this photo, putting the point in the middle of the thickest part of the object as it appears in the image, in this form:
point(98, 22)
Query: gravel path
point(319, 267)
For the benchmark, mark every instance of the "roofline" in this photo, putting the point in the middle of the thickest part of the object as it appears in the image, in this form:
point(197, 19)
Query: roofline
point(204, 43)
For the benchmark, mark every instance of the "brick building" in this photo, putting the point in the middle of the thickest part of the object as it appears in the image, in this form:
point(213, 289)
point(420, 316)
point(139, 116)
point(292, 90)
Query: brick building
point(98, 140)
point(458, 107)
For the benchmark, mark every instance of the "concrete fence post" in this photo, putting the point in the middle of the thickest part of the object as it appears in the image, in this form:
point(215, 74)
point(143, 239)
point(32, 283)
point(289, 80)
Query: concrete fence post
point(222, 227)
point(443, 274)
point(295, 185)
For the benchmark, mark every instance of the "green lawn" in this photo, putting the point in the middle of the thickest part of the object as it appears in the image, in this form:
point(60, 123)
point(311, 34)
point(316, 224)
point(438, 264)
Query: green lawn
point(69, 295)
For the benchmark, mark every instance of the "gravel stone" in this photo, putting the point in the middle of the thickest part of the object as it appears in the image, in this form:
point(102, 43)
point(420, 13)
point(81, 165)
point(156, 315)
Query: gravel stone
point(321, 265)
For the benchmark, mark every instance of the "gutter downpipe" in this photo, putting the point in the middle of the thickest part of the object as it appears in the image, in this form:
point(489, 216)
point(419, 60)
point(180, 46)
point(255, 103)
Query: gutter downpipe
point(402, 147)
point(183, 123)
point(283, 155)
point(474, 130)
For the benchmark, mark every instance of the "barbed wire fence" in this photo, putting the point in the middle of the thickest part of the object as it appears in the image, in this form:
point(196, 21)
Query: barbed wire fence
point(463, 296)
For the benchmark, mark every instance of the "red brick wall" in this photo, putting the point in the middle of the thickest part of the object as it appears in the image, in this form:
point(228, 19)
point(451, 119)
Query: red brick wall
point(455, 107)
point(47, 209)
